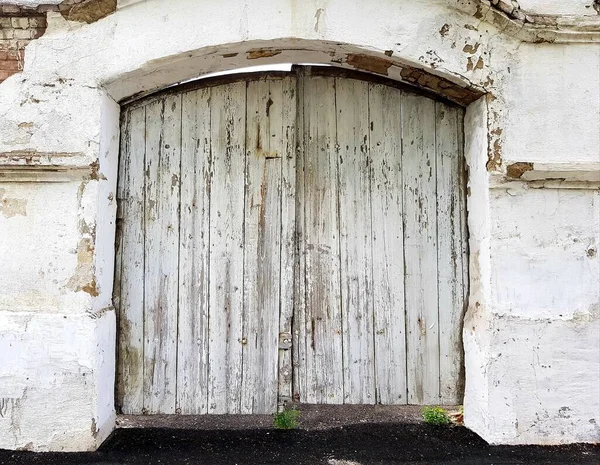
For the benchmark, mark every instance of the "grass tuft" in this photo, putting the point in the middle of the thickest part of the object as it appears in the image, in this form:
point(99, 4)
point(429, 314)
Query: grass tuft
point(436, 416)
point(288, 419)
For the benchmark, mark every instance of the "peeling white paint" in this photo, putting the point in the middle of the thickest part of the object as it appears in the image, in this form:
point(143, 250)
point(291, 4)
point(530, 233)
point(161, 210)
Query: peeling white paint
point(53, 382)
point(532, 330)
point(553, 7)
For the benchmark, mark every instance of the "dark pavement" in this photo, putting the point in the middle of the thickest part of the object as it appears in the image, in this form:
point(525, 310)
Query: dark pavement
point(364, 444)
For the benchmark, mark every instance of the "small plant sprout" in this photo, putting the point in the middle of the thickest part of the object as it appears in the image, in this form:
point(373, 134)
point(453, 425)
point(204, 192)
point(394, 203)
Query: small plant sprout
point(436, 416)
point(287, 419)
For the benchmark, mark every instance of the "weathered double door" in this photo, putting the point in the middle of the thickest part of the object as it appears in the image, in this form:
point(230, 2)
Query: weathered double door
point(289, 236)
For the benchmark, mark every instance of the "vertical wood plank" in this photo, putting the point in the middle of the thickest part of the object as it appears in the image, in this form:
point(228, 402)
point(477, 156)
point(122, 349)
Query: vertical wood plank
point(464, 250)
point(299, 326)
point(450, 257)
point(131, 301)
point(288, 224)
point(388, 243)
point(420, 246)
point(228, 114)
point(192, 347)
point(122, 338)
point(352, 98)
point(163, 150)
point(323, 319)
point(120, 198)
point(262, 235)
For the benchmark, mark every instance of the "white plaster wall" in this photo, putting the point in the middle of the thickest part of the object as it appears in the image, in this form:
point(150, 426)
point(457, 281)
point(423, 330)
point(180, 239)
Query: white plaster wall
point(531, 281)
point(553, 95)
point(50, 387)
point(544, 369)
point(31, 3)
point(558, 7)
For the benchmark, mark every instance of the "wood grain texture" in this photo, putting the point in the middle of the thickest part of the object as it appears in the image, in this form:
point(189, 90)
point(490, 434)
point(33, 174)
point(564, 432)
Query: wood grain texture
point(131, 298)
point(325, 210)
point(163, 152)
point(450, 253)
point(288, 231)
point(262, 235)
point(300, 344)
point(322, 326)
point(228, 115)
point(194, 272)
point(388, 243)
point(356, 278)
point(122, 342)
point(420, 249)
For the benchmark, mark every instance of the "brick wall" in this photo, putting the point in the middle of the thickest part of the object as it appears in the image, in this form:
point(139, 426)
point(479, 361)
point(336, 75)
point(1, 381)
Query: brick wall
point(18, 27)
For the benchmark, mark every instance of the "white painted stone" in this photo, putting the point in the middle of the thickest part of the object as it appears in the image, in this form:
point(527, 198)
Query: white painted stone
point(533, 272)
point(56, 380)
point(553, 96)
point(554, 7)
point(31, 3)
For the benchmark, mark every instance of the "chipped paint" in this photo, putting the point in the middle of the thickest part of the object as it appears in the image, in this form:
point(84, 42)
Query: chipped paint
point(369, 63)
point(516, 170)
point(444, 30)
point(526, 235)
point(83, 279)
point(262, 53)
point(10, 207)
point(87, 11)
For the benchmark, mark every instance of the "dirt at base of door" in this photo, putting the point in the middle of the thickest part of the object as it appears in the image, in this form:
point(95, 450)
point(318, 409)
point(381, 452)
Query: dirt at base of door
point(312, 417)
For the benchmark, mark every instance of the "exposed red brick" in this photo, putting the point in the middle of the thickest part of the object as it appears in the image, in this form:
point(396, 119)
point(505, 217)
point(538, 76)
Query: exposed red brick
point(9, 65)
point(18, 26)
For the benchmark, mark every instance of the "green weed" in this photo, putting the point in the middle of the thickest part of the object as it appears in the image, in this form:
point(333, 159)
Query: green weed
point(288, 419)
point(436, 416)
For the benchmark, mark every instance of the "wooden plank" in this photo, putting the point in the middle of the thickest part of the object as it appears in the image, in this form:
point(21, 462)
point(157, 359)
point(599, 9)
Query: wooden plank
point(131, 301)
point(462, 184)
point(226, 257)
point(288, 229)
point(262, 235)
point(352, 100)
point(299, 326)
point(192, 347)
point(163, 138)
point(388, 243)
point(420, 246)
point(122, 338)
point(323, 319)
point(450, 256)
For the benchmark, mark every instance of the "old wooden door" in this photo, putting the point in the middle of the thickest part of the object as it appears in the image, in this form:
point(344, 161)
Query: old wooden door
point(289, 236)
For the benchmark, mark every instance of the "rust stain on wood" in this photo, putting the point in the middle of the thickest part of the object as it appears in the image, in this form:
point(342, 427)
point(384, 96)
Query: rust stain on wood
point(369, 63)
